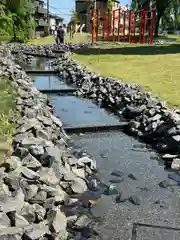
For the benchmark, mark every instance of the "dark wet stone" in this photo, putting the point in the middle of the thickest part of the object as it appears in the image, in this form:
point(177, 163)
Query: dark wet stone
point(157, 202)
point(82, 221)
point(136, 200)
point(110, 190)
point(93, 184)
point(174, 176)
point(131, 176)
point(120, 198)
point(89, 197)
point(116, 180)
point(167, 183)
point(143, 189)
point(117, 173)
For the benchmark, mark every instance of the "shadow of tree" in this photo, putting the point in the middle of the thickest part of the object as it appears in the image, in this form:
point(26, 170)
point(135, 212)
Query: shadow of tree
point(134, 50)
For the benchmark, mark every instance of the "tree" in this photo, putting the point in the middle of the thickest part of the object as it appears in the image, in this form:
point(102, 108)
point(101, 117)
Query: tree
point(16, 18)
point(74, 17)
point(160, 6)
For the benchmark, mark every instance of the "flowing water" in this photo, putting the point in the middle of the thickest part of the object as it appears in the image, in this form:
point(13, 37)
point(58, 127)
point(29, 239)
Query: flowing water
point(142, 198)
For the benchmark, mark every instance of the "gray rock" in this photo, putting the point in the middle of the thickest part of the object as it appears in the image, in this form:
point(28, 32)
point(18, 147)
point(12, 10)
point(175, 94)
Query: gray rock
point(4, 220)
point(70, 176)
point(29, 174)
point(136, 200)
point(82, 222)
point(31, 162)
point(131, 176)
point(40, 133)
point(28, 142)
point(35, 231)
point(27, 211)
point(20, 221)
point(56, 192)
point(29, 124)
point(36, 150)
point(57, 221)
point(48, 176)
point(110, 190)
point(11, 233)
point(78, 186)
point(87, 161)
point(40, 197)
point(11, 204)
point(39, 211)
point(167, 183)
point(175, 164)
point(117, 173)
point(29, 190)
point(79, 172)
point(52, 155)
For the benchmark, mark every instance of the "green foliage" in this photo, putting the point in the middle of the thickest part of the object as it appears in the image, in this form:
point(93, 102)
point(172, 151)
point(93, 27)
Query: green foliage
point(74, 17)
point(165, 9)
point(16, 19)
point(110, 4)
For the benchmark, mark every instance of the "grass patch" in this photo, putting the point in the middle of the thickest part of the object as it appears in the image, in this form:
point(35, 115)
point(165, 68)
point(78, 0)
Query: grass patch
point(7, 113)
point(155, 68)
point(78, 38)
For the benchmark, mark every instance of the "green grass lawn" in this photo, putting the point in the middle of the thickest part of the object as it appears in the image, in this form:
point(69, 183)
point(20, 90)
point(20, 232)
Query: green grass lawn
point(155, 68)
point(78, 38)
point(7, 113)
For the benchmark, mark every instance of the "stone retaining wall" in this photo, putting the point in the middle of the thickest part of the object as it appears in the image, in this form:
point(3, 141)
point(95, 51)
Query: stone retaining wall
point(41, 177)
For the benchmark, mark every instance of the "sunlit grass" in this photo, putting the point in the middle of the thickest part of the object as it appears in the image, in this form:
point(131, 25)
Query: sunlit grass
point(7, 114)
point(78, 38)
point(156, 68)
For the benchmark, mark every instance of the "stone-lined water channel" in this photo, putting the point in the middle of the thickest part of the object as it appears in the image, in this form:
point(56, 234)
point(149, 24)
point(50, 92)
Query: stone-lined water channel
point(141, 190)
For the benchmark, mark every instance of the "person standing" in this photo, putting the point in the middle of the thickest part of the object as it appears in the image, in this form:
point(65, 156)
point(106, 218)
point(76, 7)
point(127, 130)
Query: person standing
point(61, 34)
point(57, 35)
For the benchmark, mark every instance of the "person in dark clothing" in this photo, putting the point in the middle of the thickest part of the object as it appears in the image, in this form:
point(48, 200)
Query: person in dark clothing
point(60, 34)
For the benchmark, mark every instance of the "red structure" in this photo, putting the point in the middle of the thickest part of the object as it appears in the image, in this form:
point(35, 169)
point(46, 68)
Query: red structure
point(120, 25)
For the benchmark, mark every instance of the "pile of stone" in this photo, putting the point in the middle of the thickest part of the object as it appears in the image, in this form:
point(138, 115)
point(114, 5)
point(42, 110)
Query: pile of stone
point(148, 117)
point(21, 58)
point(42, 177)
point(47, 50)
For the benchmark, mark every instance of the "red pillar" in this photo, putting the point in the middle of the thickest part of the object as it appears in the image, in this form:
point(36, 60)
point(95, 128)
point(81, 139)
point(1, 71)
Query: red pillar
point(119, 22)
point(103, 23)
point(145, 25)
point(92, 34)
point(130, 25)
point(141, 13)
point(108, 24)
point(114, 16)
point(97, 23)
point(124, 26)
point(134, 26)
